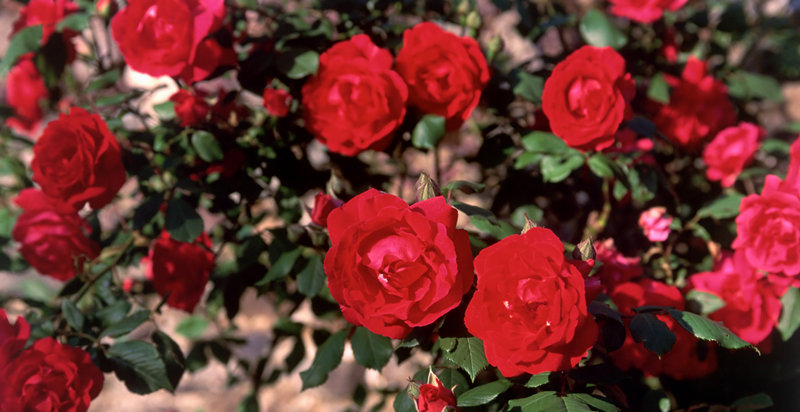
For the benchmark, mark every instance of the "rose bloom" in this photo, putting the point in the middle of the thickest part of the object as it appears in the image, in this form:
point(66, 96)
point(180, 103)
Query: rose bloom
point(355, 101)
point(180, 269)
point(752, 303)
point(52, 237)
point(393, 267)
point(25, 93)
point(730, 151)
point(698, 107)
point(655, 223)
point(530, 307)
point(689, 358)
point(644, 11)
point(445, 73)
point(323, 206)
point(49, 376)
point(587, 97)
point(276, 101)
point(435, 397)
point(78, 160)
point(617, 268)
point(191, 109)
point(169, 37)
point(12, 337)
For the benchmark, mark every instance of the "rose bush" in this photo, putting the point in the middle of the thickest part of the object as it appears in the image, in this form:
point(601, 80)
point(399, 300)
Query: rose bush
point(356, 100)
point(445, 73)
point(392, 266)
point(587, 97)
point(530, 306)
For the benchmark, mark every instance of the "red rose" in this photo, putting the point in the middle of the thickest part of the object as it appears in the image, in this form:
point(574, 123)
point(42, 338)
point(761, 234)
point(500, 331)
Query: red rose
point(445, 73)
point(78, 160)
point(190, 108)
point(168, 37)
point(587, 97)
point(277, 101)
point(435, 397)
point(323, 206)
point(530, 308)
point(355, 101)
point(616, 268)
point(687, 359)
point(52, 236)
point(392, 266)
point(50, 376)
point(698, 107)
point(768, 228)
point(180, 269)
point(48, 13)
point(25, 90)
point(644, 11)
point(12, 337)
point(655, 223)
point(752, 303)
point(730, 151)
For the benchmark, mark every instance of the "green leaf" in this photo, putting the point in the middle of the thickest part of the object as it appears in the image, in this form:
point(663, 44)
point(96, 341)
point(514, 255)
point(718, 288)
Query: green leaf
point(555, 169)
point(328, 357)
point(642, 126)
point(603, 167)
point(651, 331)
point(249, 403)
point(371, 350)
point(462, 185)
point(790, 313)
point(207, 146)
point(481, 395)
point(707, 329)
point(468, 355)
point(111, 100)
point(527, 86)
point(312, 278)
point(703, 303)
point(535, 403)
point(182, 221)
point(103, 81)
point(747, 86)
point(428, 131)
point(753, 403)
point(114, 312)
point(127, 324)
point(75, 22)
point(281, 268)
point(538, 380)
point(25, 41)
point(138, 364)
point(72, 314)
point(471, 210)
point(598, 31)
point(192, 327)
point(594, 402)
point(165, 110)
point(722, 208)
point(452, 377)
point(404, 403)
point(498, 230)
point(171, 355)
point(544, 143)
point(658, 90)
point(298, 63)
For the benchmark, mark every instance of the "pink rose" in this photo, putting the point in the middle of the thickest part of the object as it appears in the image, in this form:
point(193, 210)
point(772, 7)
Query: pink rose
point(644, 11)
point(655, 224)
point(730, 151)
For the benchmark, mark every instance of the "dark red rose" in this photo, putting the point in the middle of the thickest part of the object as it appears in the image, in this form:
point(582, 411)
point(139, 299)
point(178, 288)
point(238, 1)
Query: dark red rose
point(52, 237)
point(530, 307)
point(25, 93)
point(323, 206)
point(730, 151)
point(587, 97)
point(78, 160)
point(392, 266)
point(12, 337)
point(698, 107)
point(752, 302)
point(190, 108)
point(277, 101)
point(180, 269)
point(169, 37)
point(445, 73)
point(435, 397)
point(644, 11)
point(49, 376)
point(689, 358)
point(355, 101)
